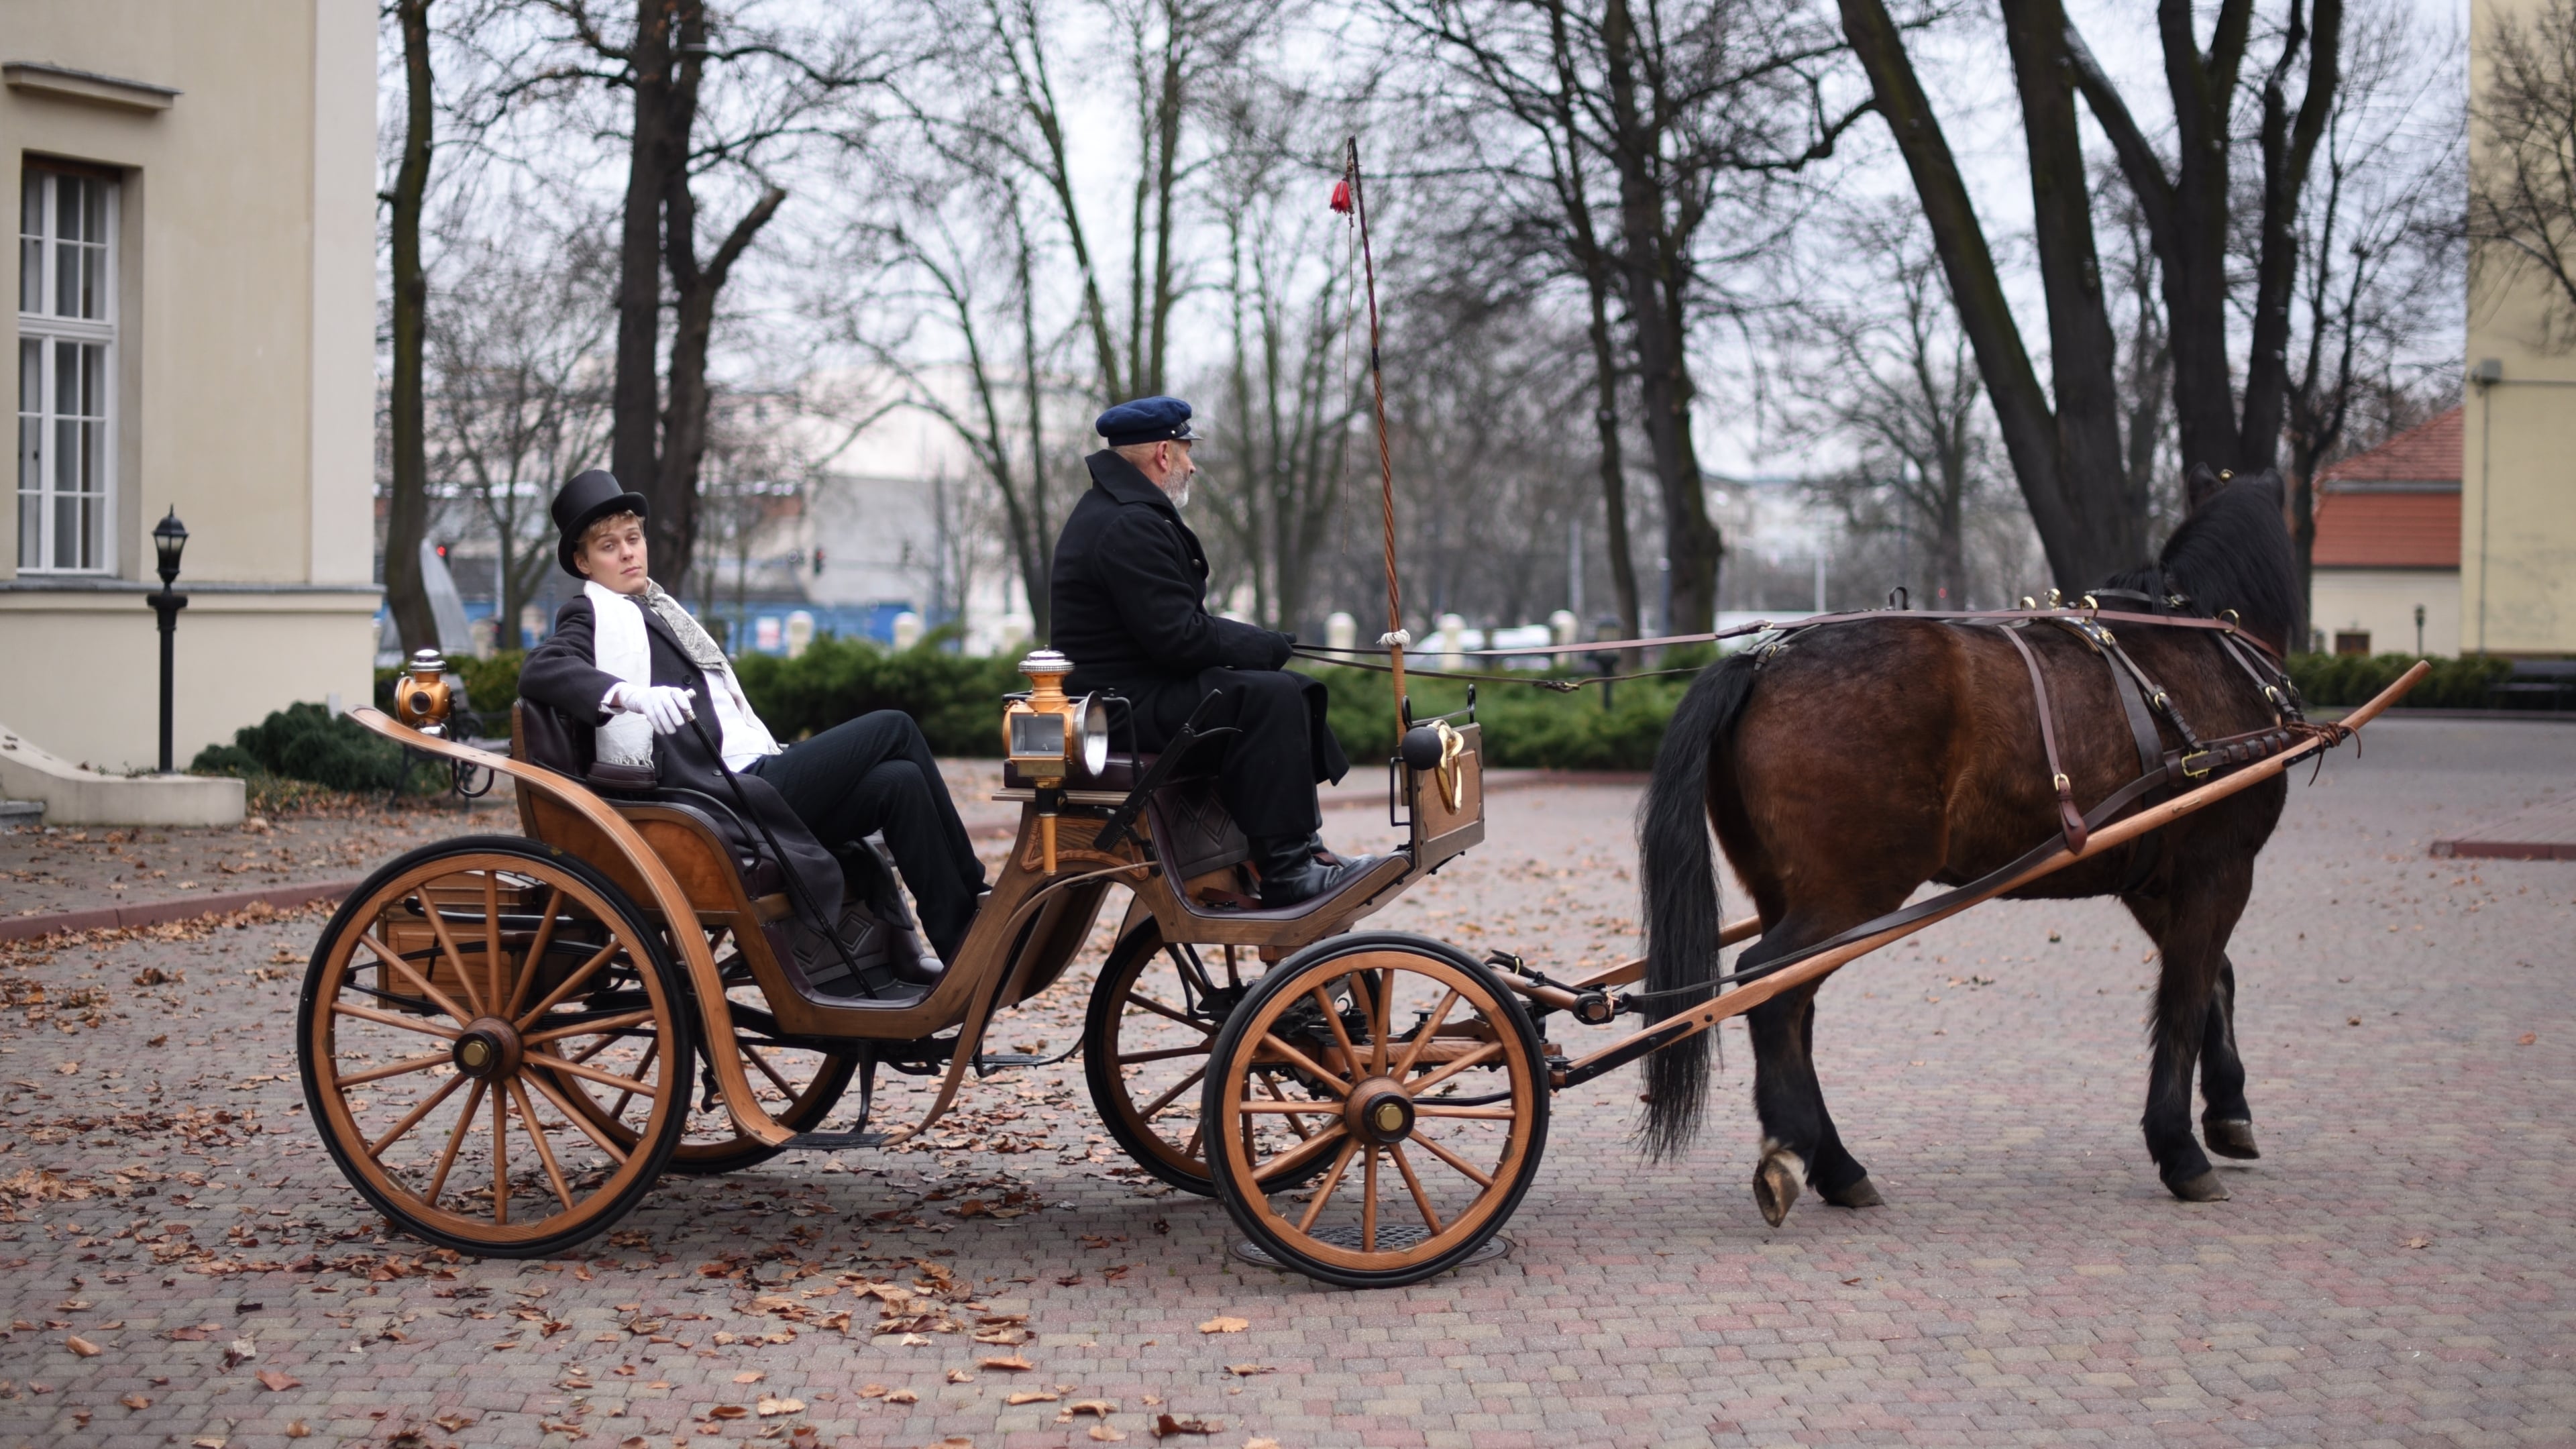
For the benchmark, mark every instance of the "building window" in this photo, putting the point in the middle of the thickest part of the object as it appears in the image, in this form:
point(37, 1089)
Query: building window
point(2352, 641)
point(66, 371)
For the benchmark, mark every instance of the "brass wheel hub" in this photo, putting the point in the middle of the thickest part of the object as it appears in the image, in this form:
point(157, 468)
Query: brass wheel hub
point(1379, 1111)
point(488, 1049)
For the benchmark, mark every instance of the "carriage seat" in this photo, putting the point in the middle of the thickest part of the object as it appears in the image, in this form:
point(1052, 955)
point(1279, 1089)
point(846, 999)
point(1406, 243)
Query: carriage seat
point(542, 737)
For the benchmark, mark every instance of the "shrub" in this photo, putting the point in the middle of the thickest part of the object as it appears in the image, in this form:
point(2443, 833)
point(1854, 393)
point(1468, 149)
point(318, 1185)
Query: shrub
point(308, 742)
point(1526, 726)
point(2350, 679)
point(957, 701)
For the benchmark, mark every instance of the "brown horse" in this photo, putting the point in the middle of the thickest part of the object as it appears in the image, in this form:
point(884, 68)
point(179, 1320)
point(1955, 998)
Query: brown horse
point(1863, 759)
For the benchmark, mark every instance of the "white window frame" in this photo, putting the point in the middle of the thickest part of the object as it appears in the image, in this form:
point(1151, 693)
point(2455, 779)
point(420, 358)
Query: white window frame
point(47, 329)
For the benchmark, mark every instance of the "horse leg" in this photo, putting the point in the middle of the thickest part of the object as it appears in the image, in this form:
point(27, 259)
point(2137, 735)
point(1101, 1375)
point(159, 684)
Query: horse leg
point(2226, 1123)
point(1798, 1136)
point(2190, 925)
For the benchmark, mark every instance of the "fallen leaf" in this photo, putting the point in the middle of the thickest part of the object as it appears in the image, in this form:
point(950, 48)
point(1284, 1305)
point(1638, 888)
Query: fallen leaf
point(1015, 1362)
point(452, 1421)
point(207, 1441)
point(872, 1391)
point(902, 1396)
point(2527, 1038)
point(1105, 1434)
point(728, 1411)
point(752, 1377)
point(298, 1429)
point(1225, 1325)
point(276, 1382)
point(772, 1408)
point(1103, 1407)
point(1247, 1370)
point(2419, 1241)
point(82, 1346)
point(1165, 1426)
point(960, 1376)
point(1024, 1396)
point(135, 1401)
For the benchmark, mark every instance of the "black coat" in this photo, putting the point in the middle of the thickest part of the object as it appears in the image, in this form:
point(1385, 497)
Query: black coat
point(1130, 592)
point(560, 674)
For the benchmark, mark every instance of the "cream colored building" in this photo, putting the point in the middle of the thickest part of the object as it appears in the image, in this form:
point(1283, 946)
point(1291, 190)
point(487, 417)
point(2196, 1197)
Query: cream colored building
point(2518, 474)
point(194, 329)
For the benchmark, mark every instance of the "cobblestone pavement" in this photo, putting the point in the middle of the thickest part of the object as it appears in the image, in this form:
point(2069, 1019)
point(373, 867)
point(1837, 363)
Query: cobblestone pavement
point(182, 1265)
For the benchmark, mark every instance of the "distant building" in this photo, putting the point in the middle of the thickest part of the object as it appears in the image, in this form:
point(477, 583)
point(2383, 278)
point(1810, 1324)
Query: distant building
point(2388, 545)
point(194, 328)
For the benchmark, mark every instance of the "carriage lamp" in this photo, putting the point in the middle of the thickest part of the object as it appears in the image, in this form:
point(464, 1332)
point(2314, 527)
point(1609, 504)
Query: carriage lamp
point(421, 697)
point(1050, 737)
point(169, 537)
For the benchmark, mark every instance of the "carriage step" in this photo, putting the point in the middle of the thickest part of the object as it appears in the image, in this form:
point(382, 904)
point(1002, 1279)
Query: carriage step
point(832, 1141)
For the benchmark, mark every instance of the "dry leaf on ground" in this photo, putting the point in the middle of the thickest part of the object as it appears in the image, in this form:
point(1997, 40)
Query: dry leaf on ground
point(903, 1396)
point(772, 1408)
point(298, 1429)
point(1165, 1426)
point(452, 1421)
point(276, 1382)
point(1247, 1370)
point(1103, 1407)
point(135, 1401)
point(1260, 1443)
point(1034, 1396)
point(960, 1376)
point(752, 1377)
point(1225, 1325)
point(1105, 1434)
point(2419, 1241)
point(1014, 1362)
point(728, 1411)
point(82, 1346)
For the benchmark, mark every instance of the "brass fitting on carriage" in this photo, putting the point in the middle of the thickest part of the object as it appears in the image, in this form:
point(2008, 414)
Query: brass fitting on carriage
point(422, 699)
point(1052, 737)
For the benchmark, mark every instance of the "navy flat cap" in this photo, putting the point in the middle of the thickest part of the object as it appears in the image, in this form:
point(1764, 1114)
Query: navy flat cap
point(1147, 420)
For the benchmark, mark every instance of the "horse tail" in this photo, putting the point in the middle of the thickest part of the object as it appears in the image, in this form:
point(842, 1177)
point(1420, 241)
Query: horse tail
point(1677, 878)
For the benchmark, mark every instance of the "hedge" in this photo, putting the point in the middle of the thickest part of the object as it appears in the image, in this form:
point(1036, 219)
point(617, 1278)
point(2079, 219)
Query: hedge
point(957, 701)
point(2345, 680)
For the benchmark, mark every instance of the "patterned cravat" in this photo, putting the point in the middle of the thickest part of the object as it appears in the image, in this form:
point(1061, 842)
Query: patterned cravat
point(694, 641)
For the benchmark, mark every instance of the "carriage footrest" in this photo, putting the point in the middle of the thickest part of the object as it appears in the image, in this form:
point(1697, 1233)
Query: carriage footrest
point(833, 1141)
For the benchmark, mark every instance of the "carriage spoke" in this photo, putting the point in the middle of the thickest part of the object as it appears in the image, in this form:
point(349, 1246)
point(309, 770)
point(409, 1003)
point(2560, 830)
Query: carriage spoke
point(1378, 1019)
point(1305, 1063)
point(1368, 1201)
point(536, 953)
point(411, 1119)
point(1422, 1037)
point(1413, 1184)
point(1333, 1019)
point(545, 1149)
point(766, 1070)
point(447, 945)
point(1281, 1107)
point(1165, 1100)
point(1297, 1119)
point(492, 936)
point(1481, 1114)
point(584, 1028)
point(605, 1079)
point(1196, 1146)
point(1287, 1163)
point(500, 1159)
point(393, 958)
point(401, 1068)
point(1233, 977)
point(1324, 1189)
point(1454, 1160)
point(570, 984)
point(455, 1140)
point(1133, 1059)
point(641, 1063)
point(399, 1023)
point(1476, 1058)
point(1159, 1009)
point(581, 1120)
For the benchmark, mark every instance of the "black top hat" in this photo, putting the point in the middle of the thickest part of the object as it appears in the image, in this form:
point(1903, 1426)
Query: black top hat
point(588, 498)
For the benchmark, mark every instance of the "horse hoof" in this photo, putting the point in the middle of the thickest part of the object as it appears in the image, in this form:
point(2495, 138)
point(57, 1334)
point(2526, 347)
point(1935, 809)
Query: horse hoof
point(1775, 1184)
point(1861, 1194)
point(2204, 1188)
point(2230, 1137)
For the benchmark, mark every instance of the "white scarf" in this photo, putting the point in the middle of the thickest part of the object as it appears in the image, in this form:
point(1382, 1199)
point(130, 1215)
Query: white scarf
point(621, 645)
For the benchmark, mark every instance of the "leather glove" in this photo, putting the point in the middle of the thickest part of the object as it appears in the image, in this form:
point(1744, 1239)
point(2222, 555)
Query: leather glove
point(666, 706)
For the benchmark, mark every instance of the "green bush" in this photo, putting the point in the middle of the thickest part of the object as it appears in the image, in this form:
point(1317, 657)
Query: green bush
point(2345, 680)
point(1526, 726)
point(957, 701)
point(308, 742)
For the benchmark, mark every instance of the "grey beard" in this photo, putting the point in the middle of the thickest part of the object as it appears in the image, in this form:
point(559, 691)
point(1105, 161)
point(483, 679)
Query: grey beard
point(1182, 498)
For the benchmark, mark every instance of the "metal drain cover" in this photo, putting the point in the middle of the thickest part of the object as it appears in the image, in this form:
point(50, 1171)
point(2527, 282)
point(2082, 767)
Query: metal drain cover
point(1389, 1239)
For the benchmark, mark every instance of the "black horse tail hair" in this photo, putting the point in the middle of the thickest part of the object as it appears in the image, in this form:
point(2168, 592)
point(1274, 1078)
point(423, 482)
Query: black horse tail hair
point(1677, 879)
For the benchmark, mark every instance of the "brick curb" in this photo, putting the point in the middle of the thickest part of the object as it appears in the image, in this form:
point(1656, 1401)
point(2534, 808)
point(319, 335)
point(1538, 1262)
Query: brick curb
point(154, 913)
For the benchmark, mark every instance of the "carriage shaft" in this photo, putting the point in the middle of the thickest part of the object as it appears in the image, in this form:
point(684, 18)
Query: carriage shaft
point(1691, 1021)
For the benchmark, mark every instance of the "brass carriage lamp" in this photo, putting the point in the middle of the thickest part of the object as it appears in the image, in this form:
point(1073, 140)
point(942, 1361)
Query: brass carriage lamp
point(1051, 736)
point(169, 538)
point(421, 697)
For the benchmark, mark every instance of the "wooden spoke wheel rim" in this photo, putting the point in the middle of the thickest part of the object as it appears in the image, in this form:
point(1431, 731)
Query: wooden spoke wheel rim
point(1154, 1015)
point(797, 1085)
point(1411, 1078)
point(469, 1018)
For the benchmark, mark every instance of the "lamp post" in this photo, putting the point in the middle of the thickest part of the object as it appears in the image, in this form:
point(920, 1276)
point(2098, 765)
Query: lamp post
point(2419, 631)
point(169, 536)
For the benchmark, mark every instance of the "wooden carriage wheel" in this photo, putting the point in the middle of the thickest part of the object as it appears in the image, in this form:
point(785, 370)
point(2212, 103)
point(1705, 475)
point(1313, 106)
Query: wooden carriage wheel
point(1155, 1011)
point(471, 1016)
point(1397, 1067)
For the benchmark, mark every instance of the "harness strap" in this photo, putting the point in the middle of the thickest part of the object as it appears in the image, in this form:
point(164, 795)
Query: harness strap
point(2150, 848)
point(2070, 818)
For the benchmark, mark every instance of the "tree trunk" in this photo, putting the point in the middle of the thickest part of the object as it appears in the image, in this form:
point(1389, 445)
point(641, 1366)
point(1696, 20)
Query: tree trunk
point(684, 429)
point(1655, 291)
point(1614, 465)
point(1037, 560)
point(635, 448)
point(407, 514)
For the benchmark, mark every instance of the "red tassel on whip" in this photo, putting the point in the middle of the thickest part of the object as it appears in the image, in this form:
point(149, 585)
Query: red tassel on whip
point(1342, 196)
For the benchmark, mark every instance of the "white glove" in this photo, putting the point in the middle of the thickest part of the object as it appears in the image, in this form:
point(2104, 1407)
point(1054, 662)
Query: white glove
point(666, 706)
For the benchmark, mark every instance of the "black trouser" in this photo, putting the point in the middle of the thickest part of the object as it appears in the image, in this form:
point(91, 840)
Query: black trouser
point(875, 773)
point(1267, 774)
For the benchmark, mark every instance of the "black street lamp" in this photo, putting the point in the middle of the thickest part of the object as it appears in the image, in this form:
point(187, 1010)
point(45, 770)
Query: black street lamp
point(169, 536)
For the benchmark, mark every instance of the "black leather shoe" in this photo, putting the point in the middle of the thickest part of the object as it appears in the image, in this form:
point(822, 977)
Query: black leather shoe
point(1291, 870)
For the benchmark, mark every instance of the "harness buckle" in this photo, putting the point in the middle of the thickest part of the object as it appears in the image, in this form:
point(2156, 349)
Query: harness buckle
point(2064, 785)
point(2208, 761)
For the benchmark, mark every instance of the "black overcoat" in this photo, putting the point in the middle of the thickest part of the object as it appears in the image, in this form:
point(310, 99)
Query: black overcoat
point(1129, 592)
point(561, 674)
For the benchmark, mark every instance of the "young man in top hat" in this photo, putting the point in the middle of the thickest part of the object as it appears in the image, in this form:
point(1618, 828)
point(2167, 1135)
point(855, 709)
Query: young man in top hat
point(1130, 609)
point(626, 659)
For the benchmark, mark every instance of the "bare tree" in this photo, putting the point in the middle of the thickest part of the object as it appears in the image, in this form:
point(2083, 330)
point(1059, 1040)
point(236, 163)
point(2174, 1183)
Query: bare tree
point(407, 514)
point(2522, 184)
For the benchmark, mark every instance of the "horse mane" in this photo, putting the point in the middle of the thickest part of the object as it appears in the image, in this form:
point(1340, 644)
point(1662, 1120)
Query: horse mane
point(2233, 552)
